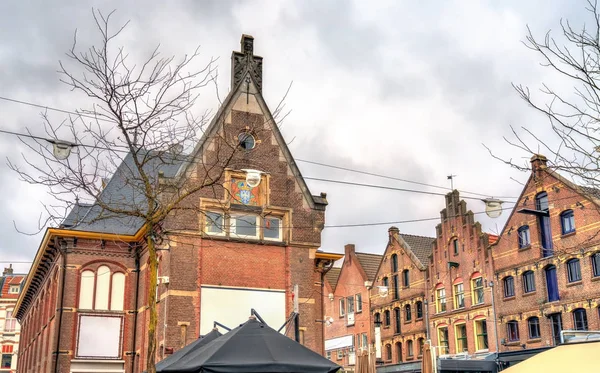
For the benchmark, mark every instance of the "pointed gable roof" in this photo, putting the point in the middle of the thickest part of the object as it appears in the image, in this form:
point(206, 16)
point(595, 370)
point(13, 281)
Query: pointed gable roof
point(421, 246)
point(332, 276)
point(369, 263)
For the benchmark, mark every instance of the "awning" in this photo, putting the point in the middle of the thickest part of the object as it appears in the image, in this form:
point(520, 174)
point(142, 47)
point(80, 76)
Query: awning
point(461, 365)
point(576, 357)
point(401, 367)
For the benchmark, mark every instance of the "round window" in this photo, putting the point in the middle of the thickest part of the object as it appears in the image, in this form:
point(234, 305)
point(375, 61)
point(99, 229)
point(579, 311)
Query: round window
point(246, 140)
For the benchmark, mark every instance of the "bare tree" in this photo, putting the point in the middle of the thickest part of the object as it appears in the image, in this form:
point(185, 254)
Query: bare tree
point(143, 112)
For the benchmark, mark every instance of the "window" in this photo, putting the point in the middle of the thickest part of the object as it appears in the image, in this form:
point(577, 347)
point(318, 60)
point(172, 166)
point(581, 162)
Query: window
point(528, 281)
point(409, 348)
point(340, 354)
point(358, 303)
point(512, 331)
point(420, 345)
point(419, 307)
point(214, 223)
point(551, 284)
point(596, 264)
point(246, 141)
point(10, 325)
point(461, 338)
point(477, 286)
point(481, 337)
point(395, 284)
point(328, 352)
point(377, 318)
point(543, 218)
point(580, 319)
point(272, 229)
point(385, 282)
point(399, 351)
point(101, 291)
point(405, 278)
point(407, 312)
point(244, 226)
point(365, 341)
point(441, 300)
point(533, 324)
point(397, 326)
point(455, 246)
point(556, 322)
point(386, 318)
point(394, 263)
point(342, 307)
point(443, 339)
point(459, 296)
point(388, 352)
point(350, 304)
point(524, 236)
point(567, 222)
point(6, 361)
point(573, 270)
point(509, 287)
point(13, 289)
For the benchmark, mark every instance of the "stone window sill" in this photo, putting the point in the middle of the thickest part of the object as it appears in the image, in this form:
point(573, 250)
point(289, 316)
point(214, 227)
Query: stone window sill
point(525, 248)
point(512, 297)
point(574, 283)
point(534, 340)
point(512, 343)
point(568, 234)
point(596, 278)
point(530, 293)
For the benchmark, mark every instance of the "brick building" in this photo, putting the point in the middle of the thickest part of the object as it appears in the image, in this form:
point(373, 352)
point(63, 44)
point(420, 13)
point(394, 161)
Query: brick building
point(397, 300)
point(460, 299)
point(85, 308)
point(347, 302)
point(10, 330)
point(547, 262)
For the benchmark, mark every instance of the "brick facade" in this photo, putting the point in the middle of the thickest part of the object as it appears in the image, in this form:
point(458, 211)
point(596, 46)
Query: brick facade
point(10, 329)
point(460, 268)
point(528, 317)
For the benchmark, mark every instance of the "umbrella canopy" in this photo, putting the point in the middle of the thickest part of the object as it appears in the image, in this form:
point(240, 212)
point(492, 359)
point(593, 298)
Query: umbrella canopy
point(253, 347)
point(198, 343)
point(576, 357)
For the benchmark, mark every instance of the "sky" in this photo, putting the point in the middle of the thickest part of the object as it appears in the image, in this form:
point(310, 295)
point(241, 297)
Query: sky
point(410, 90)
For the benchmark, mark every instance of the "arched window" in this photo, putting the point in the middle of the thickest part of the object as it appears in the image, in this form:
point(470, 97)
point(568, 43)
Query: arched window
point(459, 293)
point(455, 246)
point(512, 330)
point(419, 309)
point(524, 236)
point(596, 264)
point(440, 303)
point(386, 318)
point(477, 288)
point(86, 290)
point(551, 283)
point(573, 270)
point(462, 344)
point(405, 278)
point(528, 281)
point(580, 319)
point(407, 312)
point(420, 345)
point(509, 286)
point(409, 348)
point(397, 321)
point(377, 318)
point(101, 290)
point(443, 339)
point(567, 222)
point(385, 281)
point(399, 351)
point(388, 350)
point(533, 324)
point(394, 263)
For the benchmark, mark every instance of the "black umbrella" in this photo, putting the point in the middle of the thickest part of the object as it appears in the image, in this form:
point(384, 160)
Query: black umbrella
point(250, 348)
point(198, 343)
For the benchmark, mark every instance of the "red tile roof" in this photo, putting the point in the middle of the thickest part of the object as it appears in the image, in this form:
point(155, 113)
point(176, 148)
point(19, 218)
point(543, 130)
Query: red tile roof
point(6, 282)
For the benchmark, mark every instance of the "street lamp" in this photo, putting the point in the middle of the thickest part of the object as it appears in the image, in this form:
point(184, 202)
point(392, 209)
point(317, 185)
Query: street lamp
point(61, 149)
point(253, 177)
point(493, 207)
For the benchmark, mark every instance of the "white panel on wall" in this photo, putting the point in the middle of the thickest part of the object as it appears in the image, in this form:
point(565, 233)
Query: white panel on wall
point(339, 342)
point(231, 306)
point(99, 336)
point(118, 292)
point(102, 286)
point(86, 290)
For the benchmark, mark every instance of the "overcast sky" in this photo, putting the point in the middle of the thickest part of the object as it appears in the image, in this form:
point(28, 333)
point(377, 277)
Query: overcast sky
point(390, 87)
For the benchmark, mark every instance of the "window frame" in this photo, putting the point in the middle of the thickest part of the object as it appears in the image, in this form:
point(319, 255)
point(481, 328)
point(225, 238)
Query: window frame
point(407, 313)
point(455, 248)
point(397, 320)
point(443, 331)
point(280, 230)
point(524, 242)
point(508, 285)
point(11, 289)
point(396, 286)
point(480, 330)
point(418, 310)
point(573, 270)
point(386, 318)
point(440, 300)
point(233, 225)
point(567, 222)
point(461, 337)
point(358, 303)
point(533, 327)
point(595, 258)
point(410, 350)
point(388, 350)
point(209, 220)
point(584, 321)
point(340, 354)
point(405, 278)
point(476, 290)
point(528, 278)
point(394, 263)
point(459, 295)
point(350, 305)
point(512, 324)
point(111, 298)
point(2, 361)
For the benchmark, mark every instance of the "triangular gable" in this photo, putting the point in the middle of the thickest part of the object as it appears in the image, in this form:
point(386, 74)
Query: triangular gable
point(397, 237)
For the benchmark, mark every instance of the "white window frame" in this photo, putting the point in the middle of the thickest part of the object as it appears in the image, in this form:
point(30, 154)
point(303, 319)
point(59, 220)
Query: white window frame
point(232, 225)
point(206, 222)
point(264, 227)
point(342, 307)
point(11, 289)
point(340, 354)
point(358, 303)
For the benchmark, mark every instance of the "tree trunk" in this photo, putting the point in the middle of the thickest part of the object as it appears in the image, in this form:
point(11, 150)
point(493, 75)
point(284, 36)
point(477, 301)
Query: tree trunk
point(152, 270)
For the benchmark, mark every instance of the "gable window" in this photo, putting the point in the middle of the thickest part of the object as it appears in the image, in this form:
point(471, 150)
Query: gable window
point(13, 289)
point(543, 218)
point(533, 324)
point(350, 304)
point(409, 348)
point(397, 320)
point(214, 223)
point(567, 222)
point(596, 264)
point(342, 307)
point(407, 312)
point(443, 339)
point(524, 236)
point(509, 286)
point(386, 318)
point(101, 291)
point(385, 281)
point(512, 331)
point(395, 283)
point(440, 303)
point(405, 278)
point(394, 263)
point(551, 283)
point(358, 303)
point(459, 295)
point(580, 319)
point(528, 282)
point(481, 337)
point(477, 286)
point(573, 270)
point(461, 338)
point(272, 229)
point(455, 246)
point(246, 140)
point(419, 307)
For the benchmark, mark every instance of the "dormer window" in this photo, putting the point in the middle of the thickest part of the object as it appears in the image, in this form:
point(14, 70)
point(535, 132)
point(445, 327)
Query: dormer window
point(13, 289)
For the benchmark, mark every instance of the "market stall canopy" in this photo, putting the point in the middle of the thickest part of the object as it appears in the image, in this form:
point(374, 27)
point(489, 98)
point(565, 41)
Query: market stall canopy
point(572, 357)
point(252, 347)
point(198, 343)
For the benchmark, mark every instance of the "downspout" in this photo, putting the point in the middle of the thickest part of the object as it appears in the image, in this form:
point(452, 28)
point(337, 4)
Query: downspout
point(324, 270)
point(63, 250)
point(135, 315)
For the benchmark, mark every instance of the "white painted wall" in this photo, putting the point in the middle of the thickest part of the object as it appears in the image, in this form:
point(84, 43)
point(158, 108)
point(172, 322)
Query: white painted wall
point(231, 306)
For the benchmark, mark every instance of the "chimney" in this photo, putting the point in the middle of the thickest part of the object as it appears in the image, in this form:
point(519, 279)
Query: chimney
point(8, 271)
point(538, 162)
point(394, 232)
point(245, 60)
point(349, 249)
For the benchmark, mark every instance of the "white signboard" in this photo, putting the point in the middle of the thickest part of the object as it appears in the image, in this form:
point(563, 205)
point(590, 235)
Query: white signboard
point(99, 337)
point(231, 306)
point(339, 342)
